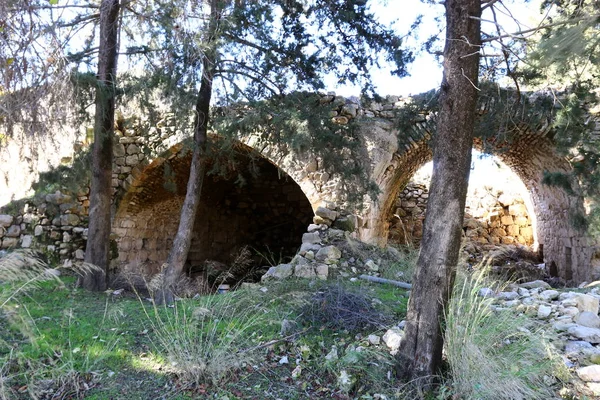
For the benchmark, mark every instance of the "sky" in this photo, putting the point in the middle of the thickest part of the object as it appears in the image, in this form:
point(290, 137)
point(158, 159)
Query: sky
point(426, 71)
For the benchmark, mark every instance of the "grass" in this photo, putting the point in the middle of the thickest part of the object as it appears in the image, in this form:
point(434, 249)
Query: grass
point(274, 343)
point(496, 355)
point(59, 341)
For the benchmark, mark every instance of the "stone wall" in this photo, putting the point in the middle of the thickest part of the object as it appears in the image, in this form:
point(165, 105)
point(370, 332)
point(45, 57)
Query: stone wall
point(143, 167)
point(491, 216)
point(55, 224)
point(268, 213)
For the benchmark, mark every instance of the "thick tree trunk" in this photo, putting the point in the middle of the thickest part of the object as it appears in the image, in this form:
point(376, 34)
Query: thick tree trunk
point(420, 352)
point(183, 238)
point(98, 244)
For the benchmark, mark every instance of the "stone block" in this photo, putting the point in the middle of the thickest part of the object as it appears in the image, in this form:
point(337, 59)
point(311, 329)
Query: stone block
point(26, 241)
point(522, 221)
point(69, 219)
point(527, 233)
point(58, 198)
point(132, 160)
point(311, 238)
point(506, 200)
point(506, 220)
point(133, 149)
point(38, 230)
point(13, 231)
point(8, 242)
point(326, 213)
point(512, 230)
point(5, 220)
point(328, 254)
point(119, 150)
point(305, 271)
point(518, 210)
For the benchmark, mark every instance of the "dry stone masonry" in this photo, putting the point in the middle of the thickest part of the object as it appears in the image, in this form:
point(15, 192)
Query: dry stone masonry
point(55, 224)
point(149, 182)
point(491, 217)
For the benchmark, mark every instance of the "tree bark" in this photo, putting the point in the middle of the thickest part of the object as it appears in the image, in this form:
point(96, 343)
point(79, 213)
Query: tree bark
point(420, 353)
point(181, 244)
point(98, 243)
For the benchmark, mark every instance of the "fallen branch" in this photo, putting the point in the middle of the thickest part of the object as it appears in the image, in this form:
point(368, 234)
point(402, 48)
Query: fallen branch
point(274, 341)
point(370, 278)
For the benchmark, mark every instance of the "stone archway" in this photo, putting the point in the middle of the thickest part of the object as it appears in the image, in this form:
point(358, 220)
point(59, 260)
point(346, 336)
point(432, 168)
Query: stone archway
point(252, 203)
point(566, 250)
point(498, 210)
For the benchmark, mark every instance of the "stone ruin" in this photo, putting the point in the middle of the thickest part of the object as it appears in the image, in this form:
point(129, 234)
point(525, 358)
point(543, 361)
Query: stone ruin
point(272, 210)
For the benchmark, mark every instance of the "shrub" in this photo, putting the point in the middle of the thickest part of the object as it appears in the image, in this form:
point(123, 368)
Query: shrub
point(339, 308)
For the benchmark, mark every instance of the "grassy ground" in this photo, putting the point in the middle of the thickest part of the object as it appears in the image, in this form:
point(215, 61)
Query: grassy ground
point(61, 342)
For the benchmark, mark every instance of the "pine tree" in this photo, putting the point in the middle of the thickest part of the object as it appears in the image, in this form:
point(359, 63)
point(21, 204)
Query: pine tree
point(264, 48)
point(420, 353)
point(98, 244)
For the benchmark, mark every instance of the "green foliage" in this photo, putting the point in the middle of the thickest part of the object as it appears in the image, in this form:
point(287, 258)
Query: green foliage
point(567, 51)
point(501, 113)
point(67, 178)
point(299, 123)
point(558, 179)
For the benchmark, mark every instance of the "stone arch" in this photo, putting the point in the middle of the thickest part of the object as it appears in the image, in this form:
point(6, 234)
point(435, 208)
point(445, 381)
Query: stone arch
point(268, 212)
point(566, 250)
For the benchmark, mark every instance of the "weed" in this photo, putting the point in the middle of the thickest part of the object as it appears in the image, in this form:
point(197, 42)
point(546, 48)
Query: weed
point(204, 341)
point(495, 355)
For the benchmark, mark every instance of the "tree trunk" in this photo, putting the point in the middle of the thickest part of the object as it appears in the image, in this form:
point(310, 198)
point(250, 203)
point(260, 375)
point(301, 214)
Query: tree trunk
point(98, 243)
point(183, 238)
point(420, 352)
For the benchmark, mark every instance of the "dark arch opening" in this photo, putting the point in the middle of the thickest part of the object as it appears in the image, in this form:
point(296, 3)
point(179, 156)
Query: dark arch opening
point(251, 214)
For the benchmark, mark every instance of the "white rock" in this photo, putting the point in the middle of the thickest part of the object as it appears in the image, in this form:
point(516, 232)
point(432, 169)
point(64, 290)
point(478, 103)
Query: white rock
point(329, 254)
point(333, 354)
point(549, 295)
point(306, 247)
point(535, 284)
point(485, 292)
point(322, 271)
point(588, 319)
point(284, 360)
point(313, 227)
point(26, 241)
point(544, 311)
point(508, 295)
point(511, 303)
point(326, 213)
point(591, 335)
point(523, 292)
point(305, 271)
point(371, 265)
point(38, 230)
point(570, 311)
point(591, 373)
point(569, 302)
point(562, 326)
point(311, 238)
point(392, 338)
point(5, 220)
point(374, 339)
point(586, 302)
point(574, 347)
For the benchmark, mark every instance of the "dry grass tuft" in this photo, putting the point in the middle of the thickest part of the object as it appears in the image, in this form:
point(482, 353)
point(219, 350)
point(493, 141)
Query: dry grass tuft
point(495, 355)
